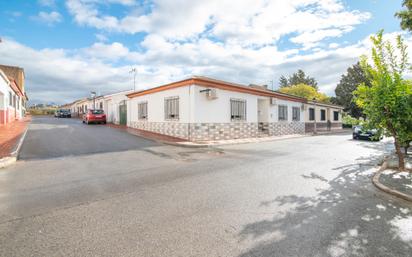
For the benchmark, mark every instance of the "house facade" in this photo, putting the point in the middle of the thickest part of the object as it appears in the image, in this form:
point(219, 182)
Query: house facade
point(13, 98)
point(322, 116)
point(201, 108)
point(115, 107)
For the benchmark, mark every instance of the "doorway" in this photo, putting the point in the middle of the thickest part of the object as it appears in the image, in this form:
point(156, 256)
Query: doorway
point(263, 117)
point(123, 113)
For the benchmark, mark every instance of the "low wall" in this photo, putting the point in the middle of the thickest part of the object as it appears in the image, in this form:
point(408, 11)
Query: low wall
point(219, 131)
point(309, 126)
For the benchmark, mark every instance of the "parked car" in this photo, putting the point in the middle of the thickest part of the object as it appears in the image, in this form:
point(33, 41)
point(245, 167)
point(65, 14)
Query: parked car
point(62, 113)
point(359, 132)
point(94, 116)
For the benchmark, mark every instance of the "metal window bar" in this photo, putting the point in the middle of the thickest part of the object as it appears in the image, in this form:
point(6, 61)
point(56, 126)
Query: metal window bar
point(237, 109)
point(295, 114)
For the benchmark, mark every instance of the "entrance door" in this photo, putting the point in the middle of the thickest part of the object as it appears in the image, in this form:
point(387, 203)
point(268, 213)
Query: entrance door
point(123, 113)
point(263, 117)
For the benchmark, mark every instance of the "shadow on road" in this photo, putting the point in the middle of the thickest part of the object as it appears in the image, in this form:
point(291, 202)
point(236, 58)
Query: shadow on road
point(350, 218)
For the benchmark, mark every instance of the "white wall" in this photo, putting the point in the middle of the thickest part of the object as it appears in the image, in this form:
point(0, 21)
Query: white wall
point(329, 113)
point(195, 107)
point(155, 106)
point(4, 93)
point(218, 110)
point(111, 106)
point(274, 110)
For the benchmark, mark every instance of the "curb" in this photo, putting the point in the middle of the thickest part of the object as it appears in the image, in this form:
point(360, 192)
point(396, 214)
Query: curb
point(235, 143)
point(379, 185)
point(9, 160)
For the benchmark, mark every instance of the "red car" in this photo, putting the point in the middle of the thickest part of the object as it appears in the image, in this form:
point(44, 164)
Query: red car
point(94, 116)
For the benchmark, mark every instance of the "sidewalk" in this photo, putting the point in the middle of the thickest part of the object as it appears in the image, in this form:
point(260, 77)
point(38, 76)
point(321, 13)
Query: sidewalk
point(10, 135)
point(148, 135)
point(237, 141)
point(185, 143)
point(393, 182)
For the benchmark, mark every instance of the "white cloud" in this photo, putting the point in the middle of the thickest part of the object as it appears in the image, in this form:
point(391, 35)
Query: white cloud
point(246, 22)
point(101, 37)
point(218, 38)
point(333, 45)
point(50, 18)
point(112, 51)
point(63, 75)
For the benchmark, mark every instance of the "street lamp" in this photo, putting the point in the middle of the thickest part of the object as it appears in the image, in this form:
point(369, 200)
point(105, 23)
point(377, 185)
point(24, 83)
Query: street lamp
point(93, 95)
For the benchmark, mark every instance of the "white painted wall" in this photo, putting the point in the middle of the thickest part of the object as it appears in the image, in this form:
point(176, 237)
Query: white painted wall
point(218, 110)
point(274, 110)
point(4, 92)
point(155, 105)
point(111, 106)
point(195, 107)
point(329, 113)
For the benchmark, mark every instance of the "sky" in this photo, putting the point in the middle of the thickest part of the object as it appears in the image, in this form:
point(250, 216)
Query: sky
point(70, 48)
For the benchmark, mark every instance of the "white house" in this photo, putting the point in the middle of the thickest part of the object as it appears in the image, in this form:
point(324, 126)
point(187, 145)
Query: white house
point(201, 108)
point(325, 116)
point(115, 107)
point(12, 97)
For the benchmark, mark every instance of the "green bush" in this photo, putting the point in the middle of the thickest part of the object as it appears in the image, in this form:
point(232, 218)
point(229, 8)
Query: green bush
point(349, 121)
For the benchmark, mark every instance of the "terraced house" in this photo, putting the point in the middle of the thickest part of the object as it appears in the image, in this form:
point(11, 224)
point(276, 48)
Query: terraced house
point(13, 97)
point(202, 108)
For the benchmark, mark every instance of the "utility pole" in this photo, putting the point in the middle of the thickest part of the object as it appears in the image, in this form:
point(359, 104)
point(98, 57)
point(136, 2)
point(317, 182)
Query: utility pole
point(134, 71)
point(93, 95)
point(271, 82)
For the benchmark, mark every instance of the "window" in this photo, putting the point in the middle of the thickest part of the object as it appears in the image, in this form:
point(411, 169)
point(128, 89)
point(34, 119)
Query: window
point(311, 114)
point(237, 109)
point(335, 116)
point(172, 108)
point(101, 105)
point(283, 112)
point(322, 115)
point(142, 108)
point(295, 113)
point(97, 111)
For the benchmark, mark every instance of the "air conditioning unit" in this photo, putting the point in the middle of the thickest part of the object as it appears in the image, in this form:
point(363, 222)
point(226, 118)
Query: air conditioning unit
point(211, 94)
point(272, 101)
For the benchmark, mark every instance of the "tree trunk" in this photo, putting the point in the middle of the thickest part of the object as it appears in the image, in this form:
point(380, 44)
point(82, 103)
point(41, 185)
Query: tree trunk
point(401, 156)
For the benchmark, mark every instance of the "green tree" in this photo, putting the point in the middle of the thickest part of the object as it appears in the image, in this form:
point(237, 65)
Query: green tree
point(298, 77)
point(387, 102)
point(348, 83)
point(406, 15)
point(305, 91)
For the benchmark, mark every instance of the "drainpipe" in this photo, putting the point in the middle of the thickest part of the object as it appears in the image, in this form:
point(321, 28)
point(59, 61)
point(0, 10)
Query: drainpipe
point(314, 122)
point(189, 135)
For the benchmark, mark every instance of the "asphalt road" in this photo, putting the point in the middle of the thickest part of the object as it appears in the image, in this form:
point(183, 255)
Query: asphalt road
point(58, 137)
point(308, 196)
